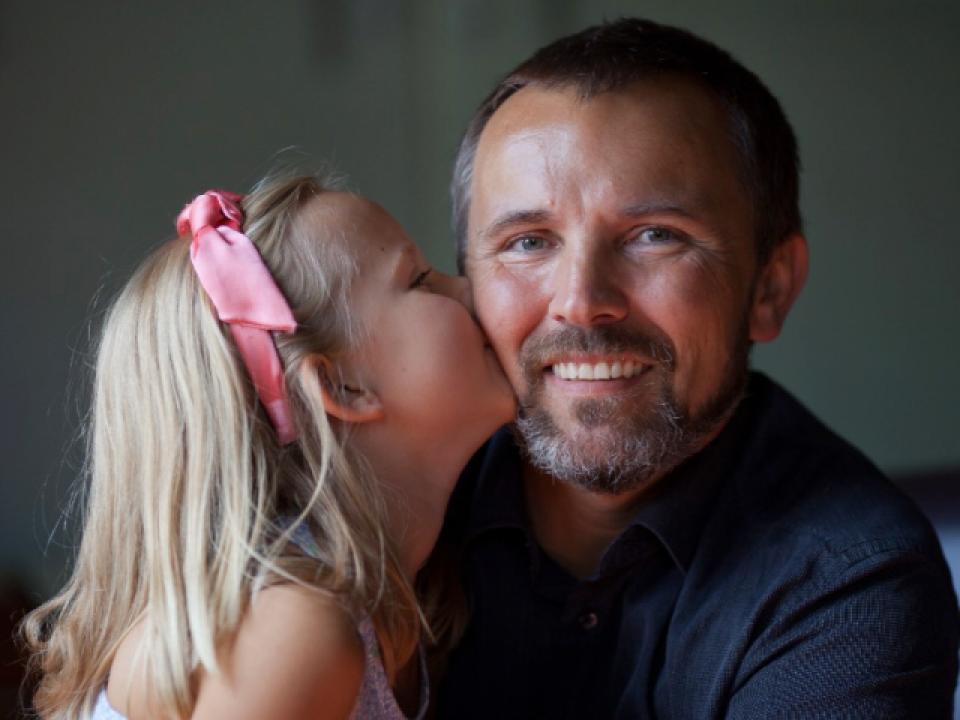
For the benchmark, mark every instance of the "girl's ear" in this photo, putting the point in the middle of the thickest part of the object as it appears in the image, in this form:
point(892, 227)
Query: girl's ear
point(779, 283)
point(344, 401)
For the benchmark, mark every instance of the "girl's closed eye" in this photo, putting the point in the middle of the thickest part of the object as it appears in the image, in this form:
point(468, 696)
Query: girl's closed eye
point(421, 279)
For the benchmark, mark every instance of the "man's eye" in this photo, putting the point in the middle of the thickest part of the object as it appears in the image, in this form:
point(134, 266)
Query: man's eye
point(657, 236)
point(528, 243)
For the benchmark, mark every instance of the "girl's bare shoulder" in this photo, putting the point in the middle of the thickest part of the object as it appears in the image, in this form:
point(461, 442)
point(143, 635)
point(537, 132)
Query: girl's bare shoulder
point(296, 654)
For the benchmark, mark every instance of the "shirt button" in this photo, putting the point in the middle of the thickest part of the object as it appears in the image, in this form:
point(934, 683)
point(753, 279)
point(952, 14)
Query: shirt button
point(588, 621)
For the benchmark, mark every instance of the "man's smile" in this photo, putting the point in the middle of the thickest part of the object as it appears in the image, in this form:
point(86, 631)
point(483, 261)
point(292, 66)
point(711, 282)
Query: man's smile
point(609, 369)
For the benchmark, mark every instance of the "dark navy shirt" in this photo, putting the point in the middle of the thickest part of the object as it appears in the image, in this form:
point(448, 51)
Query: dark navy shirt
point(776, 574)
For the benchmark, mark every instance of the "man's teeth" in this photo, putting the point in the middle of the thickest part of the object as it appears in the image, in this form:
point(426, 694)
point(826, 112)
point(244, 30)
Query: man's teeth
point(597, 371)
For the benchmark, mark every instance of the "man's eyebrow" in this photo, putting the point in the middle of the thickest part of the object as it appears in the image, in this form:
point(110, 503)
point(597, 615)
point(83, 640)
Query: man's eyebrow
point(656, 208)
point(532, 217)
point(513, 219)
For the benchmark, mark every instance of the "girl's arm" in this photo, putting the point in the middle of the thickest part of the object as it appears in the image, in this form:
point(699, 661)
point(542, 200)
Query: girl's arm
point(296, 655)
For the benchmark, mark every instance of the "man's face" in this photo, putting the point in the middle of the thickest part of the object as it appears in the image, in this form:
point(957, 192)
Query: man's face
point(610, 245)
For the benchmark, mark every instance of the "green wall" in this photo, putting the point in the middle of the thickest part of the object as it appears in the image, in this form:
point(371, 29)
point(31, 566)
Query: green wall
point(112, 115)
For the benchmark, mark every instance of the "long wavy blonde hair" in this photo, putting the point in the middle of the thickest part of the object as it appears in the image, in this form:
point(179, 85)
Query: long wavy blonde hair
point(188, 487)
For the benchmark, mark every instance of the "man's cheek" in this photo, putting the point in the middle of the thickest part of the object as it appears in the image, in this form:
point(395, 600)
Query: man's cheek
point(499, 309)
point(503, 338)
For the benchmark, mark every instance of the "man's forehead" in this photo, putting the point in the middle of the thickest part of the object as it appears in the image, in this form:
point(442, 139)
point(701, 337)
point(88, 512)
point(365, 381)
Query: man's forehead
point(672, 95)
point(658, 121)
point(664, 135)
point(557, 159)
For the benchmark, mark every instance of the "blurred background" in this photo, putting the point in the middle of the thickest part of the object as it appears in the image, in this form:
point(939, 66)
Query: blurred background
point(113, 114)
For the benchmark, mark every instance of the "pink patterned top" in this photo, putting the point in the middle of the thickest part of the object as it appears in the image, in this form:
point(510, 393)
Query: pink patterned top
point(376, 700)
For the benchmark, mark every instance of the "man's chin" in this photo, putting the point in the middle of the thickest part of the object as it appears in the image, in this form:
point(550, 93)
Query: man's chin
point(606, 447)
point(593, 444)
point(600, 457)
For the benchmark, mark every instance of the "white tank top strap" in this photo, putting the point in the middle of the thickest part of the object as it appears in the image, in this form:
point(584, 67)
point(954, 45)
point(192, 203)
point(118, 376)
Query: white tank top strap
point(103, 710)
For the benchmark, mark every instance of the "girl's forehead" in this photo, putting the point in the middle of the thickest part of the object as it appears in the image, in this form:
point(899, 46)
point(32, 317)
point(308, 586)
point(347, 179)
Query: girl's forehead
point(357, 218)
point(377, 242)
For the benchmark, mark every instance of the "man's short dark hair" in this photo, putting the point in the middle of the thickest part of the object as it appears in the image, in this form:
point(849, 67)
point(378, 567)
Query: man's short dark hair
point(615, 54)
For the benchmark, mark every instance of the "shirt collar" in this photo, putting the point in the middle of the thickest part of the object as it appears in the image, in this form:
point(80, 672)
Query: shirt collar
point(674, 513)
point(680, 504)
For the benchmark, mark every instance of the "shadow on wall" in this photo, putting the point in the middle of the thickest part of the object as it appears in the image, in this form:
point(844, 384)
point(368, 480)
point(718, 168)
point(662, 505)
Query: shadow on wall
point(14, 604)
point(938, 495)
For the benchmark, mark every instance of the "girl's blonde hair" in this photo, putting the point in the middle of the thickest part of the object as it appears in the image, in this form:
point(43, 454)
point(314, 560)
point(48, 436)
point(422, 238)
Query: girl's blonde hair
point(188, 487)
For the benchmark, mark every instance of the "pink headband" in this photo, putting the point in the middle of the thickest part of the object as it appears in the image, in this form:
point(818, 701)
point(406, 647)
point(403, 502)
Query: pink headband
point(244, 294)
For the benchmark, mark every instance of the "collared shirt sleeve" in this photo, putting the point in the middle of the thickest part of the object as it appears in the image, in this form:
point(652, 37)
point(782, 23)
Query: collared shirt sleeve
point(872, 636)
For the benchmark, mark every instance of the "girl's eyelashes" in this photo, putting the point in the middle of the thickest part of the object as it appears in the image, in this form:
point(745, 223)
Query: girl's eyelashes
point(420, 279)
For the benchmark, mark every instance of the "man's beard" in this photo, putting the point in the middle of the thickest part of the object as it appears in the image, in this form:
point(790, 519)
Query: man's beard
point(615, 450)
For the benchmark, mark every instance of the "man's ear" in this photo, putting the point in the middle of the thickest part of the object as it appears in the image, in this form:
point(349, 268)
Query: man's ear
point(778, 284)
point(343, 400)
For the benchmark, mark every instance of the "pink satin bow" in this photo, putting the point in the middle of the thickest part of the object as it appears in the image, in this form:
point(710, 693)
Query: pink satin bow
point(244, 294)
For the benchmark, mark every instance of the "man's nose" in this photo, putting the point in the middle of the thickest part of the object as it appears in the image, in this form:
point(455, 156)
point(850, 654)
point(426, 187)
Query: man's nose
point(586, 291)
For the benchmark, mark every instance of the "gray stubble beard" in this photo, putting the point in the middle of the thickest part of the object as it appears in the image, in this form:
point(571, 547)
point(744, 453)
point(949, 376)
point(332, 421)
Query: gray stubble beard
point(621, 452)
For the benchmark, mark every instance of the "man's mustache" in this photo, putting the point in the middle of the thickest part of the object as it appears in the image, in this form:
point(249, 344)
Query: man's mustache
point(601, 340)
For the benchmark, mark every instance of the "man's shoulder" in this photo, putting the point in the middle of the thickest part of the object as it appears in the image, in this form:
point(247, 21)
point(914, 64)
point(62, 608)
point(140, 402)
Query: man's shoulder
point(814, 574)
point(800, 482)
point(804, 509)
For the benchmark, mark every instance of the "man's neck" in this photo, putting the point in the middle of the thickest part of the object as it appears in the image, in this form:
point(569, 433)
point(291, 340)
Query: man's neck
point(575, 526)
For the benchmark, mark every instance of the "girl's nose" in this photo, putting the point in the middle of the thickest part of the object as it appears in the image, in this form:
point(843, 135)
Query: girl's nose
point(456, 287)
